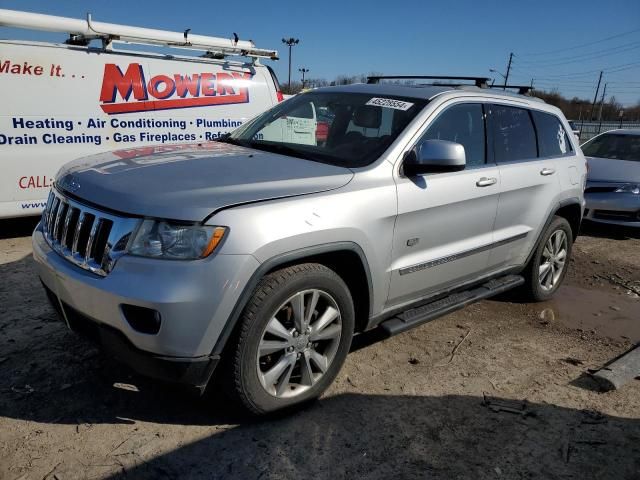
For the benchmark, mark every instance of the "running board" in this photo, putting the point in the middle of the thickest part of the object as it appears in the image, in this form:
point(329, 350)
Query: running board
point(430, 311)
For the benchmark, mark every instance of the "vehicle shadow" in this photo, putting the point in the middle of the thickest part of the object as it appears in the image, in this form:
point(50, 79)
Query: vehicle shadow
point(18, 227)
point(50, 376)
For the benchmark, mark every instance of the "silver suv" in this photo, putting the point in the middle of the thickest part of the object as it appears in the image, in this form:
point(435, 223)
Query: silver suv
point(336, 212)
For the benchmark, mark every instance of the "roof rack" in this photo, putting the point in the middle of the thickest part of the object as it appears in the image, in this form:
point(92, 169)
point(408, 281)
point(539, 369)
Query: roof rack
point(82, 32)
point(522, 89)
point(481, 82)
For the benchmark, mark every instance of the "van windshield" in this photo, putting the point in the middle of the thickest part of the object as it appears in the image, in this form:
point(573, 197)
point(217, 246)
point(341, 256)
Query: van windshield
point(347, 129)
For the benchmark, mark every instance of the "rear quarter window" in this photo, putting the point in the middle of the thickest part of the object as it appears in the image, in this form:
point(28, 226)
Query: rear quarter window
point(553, 140)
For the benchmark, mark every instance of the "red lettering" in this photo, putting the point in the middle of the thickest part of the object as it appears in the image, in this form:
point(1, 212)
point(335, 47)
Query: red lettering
point(225, 84)
point(186, 84)
point(34, 182)
point(114, 81)
point(208, 84)
point(166, 91)
point(4, 67)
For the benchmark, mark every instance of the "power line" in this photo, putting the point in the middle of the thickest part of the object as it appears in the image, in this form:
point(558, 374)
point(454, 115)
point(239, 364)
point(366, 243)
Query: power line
point(581, 58)
point(595, 42)
point(611, 69)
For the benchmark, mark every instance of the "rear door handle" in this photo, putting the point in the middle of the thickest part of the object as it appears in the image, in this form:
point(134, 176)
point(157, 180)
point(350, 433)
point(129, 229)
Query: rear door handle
point(547, 171)
point(486, 181)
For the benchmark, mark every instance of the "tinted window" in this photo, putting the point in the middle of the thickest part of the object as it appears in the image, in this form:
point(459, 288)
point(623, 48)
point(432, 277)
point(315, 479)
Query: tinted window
point(463, 124)
point(513, 135)
point(552, 137)
point(614, 146)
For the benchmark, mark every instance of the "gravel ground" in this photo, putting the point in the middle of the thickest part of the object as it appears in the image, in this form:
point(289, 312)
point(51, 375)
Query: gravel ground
point(494, 391)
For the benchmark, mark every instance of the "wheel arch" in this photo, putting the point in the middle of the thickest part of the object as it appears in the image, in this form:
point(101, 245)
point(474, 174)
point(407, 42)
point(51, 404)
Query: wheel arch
point(569, 209)
point(347, 259)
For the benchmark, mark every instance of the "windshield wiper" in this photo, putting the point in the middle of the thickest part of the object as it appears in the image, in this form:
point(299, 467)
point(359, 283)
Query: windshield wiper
point(279, 148)
point(226, 138)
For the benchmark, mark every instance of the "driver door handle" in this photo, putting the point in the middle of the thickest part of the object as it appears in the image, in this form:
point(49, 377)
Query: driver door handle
point(486, 181)
point(547, 171)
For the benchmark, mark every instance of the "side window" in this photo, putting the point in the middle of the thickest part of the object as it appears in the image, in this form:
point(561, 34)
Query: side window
point(513, 135)
point(463, 124)
point(303, 111)
point(553, 140)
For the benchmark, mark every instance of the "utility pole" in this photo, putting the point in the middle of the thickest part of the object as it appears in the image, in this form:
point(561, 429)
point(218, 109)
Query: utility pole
point(595, 97)
point(506, 77)
point(290, 42)
point(604, 91)
point(532, 84)
point(303, 70)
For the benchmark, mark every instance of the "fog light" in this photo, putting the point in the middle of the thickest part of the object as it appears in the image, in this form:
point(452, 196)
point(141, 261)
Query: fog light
point(142, 319)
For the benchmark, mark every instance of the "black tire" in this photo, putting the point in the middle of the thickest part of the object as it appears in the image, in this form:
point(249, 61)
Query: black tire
point(533, 290)
point(244, 367)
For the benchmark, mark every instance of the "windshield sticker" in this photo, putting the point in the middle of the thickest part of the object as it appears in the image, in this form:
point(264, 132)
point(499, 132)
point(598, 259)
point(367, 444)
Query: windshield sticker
point(390, 103)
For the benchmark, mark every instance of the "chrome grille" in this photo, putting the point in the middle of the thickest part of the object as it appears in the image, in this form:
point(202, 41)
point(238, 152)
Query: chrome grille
point(90, 238)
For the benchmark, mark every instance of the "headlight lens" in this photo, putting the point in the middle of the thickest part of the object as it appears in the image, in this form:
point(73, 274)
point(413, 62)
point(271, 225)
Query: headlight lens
point(630, 188)
point(160, 239)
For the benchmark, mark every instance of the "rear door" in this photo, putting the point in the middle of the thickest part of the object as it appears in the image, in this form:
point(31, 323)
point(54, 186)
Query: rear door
point(444, 228)
point(529, 182)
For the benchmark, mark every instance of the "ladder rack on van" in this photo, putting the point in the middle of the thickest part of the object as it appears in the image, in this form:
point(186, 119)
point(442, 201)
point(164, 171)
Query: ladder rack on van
point(82, 32)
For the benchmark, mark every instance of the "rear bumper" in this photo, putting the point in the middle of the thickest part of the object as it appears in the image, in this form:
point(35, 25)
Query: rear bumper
point(613, 208)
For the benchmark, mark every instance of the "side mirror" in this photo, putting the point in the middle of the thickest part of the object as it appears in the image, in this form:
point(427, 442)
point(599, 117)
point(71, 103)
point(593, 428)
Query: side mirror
point(433, 156)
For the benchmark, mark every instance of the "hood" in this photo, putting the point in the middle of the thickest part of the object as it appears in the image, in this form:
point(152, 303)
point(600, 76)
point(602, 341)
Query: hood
point(612, 170)
point(190, 182)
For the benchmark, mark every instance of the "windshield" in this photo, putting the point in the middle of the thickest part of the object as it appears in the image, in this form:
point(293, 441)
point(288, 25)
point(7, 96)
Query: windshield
point(614, 146)
point(347, 129)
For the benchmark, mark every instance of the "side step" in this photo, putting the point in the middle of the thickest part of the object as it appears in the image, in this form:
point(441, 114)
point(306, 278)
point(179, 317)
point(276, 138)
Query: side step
point(430, 311)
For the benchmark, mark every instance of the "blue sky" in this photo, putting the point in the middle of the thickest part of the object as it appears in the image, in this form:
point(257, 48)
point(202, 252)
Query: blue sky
point(409, 37)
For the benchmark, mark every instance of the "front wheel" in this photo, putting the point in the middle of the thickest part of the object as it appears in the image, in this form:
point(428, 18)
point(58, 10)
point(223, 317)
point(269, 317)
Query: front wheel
point(548, 266)
point(295, 334)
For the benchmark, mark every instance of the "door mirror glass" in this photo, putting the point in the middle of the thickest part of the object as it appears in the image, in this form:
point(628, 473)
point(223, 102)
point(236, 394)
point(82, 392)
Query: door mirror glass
point(433, 156)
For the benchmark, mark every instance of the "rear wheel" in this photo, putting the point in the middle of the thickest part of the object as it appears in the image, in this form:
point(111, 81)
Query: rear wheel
point(295, 334)
point(550, 261)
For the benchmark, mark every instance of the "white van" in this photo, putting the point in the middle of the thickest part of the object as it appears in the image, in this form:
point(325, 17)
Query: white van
point(63, 101)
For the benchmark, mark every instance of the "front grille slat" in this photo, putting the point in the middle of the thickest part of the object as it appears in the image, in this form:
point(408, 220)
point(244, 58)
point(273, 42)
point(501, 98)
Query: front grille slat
point(52, 216)
point(89, 238)
point(65, 227)
point(57, 225)
point(76, 233)
point(92, 236)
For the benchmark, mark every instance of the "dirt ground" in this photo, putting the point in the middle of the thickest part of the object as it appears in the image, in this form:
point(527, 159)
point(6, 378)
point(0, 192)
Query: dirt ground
point(512, 401)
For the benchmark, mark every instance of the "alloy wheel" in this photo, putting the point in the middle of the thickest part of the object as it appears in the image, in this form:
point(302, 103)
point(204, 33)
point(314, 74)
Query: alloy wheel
point(554, 257)
point(299, 343)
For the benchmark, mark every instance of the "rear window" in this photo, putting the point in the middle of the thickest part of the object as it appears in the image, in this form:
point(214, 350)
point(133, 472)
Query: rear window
point(553, 140)
point(614, 146)
point(513, 135)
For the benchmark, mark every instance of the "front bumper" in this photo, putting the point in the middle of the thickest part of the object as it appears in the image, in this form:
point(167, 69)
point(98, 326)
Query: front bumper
point(613, 208)
point(194, 300)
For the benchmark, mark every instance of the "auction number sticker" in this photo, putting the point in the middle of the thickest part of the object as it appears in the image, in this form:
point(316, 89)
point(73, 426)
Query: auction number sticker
point(390, 103)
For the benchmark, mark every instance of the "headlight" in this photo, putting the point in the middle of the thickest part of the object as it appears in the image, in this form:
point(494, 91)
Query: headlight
point(160, 239)
point(629, 188)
